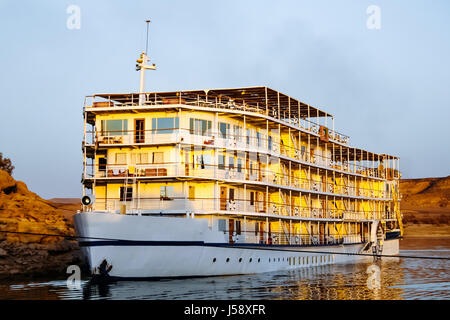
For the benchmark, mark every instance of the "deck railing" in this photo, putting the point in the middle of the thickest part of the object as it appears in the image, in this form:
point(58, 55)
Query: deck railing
point(286, 238)
point(234, 174)
point(252, 144)
point(158, 102)
point(181, 205)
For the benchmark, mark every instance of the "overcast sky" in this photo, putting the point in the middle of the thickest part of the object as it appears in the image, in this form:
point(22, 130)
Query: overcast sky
point(388, 88)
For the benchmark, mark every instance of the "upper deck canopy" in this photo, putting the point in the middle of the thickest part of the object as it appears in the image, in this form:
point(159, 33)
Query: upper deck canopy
point(263, 97)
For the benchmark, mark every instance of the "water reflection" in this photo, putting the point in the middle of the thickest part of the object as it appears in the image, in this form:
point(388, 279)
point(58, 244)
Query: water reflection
point(344, 282)
point(381, 280)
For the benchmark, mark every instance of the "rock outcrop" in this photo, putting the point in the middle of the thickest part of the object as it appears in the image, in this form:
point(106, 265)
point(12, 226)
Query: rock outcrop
point(23, 211)
point(426, 201)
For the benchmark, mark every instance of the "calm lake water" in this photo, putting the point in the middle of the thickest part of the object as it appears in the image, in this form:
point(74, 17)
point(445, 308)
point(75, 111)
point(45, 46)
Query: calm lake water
point(402, 279)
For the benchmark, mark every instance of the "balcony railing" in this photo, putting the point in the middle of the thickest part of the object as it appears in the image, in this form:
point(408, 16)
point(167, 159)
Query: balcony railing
point(234, 174)
point(286, 238)
point(181, 205)
point(260, 144)
point(155, 101)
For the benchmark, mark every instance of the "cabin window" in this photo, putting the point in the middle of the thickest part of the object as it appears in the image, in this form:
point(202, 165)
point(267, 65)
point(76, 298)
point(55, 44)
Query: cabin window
point(142, 158)
point(238, 227)
point(121, 158)
point(231, 163)
point(165, 125)
point(239, 165)
point(221, 162)
point(204, 161)
point(238, 133)
point(200, 127)
point(166, 192)
point(116, 127)
point(158, 157)
point(222, 225)
point(126, 193)
point(231, 194)
point(258, 139)
point(139, 158)
point(303, 150)
point(102, 164)
point(224, 129)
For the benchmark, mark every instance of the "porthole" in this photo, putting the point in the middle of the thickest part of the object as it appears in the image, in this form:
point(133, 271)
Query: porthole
point(278, 259)
point(259, 259)
point(269, 259)
point(240, 259)
point(228, 260)
point(250, 260)
point(214, 260)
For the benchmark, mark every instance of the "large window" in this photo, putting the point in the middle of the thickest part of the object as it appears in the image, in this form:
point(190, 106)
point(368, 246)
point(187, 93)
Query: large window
point(258, 139)
point(221, 162)
point(158, 157)
point(224, 129)
point(121, 158)
point(230, 163)
point(117, 127)
point(204, 161)
point(126, 193)
point(166, 192)
point(238, 133)
point(139, 158)
point(165, 125)
point(200, 127)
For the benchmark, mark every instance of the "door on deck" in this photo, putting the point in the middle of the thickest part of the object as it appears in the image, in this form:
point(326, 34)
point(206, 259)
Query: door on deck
point(139, 132)
point(186, 163)
point(261, 232)
point(223, 198)
point(230, 230)
point(322, 232)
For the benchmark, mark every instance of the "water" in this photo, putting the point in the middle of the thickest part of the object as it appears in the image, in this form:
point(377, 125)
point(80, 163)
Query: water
point(399, 279)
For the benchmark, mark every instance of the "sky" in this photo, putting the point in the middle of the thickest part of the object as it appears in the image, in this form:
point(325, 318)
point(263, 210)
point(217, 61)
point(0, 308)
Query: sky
point(387, 87)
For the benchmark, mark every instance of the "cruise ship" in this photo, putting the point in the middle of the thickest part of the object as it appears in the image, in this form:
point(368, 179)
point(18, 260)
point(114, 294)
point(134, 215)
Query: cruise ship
point(227, 181)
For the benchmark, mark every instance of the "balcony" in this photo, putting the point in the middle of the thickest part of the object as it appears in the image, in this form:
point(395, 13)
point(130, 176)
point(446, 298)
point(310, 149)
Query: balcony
point(232, 174)
point(261, 145)
point(182, 205)
point(156, 101)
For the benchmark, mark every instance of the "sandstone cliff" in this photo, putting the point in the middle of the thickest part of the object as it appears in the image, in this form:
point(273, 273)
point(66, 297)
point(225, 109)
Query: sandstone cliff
point(24, 211)
point(425, 205)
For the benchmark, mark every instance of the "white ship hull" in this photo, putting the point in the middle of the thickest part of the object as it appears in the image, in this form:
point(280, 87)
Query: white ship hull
point(158, 247)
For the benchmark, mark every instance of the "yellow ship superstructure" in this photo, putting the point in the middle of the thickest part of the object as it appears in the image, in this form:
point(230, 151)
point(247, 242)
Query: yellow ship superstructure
point(265, 167)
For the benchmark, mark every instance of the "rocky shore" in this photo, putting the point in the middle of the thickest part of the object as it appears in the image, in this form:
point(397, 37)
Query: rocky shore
point(425, 207)
point(25, 212)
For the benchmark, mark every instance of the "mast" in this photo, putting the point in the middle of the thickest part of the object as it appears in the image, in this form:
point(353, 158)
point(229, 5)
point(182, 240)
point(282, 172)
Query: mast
point(142, 65)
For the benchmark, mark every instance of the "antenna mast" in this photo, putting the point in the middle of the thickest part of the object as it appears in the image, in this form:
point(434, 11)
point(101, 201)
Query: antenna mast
point(142, 65)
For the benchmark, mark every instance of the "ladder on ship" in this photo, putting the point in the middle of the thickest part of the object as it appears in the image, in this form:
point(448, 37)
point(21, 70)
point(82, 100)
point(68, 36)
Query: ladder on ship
point(134, 205)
